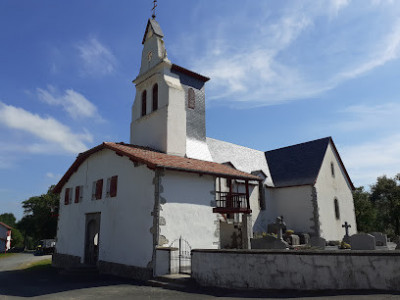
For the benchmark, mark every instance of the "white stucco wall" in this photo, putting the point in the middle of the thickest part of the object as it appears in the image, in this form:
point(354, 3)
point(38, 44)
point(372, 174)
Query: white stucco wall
point(293, 203)
point(187, 210)
point(312, 270)
point(125, 219)
point(328, 188)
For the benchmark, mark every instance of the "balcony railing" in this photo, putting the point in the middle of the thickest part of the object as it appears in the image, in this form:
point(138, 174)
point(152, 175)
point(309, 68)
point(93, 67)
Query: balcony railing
point(227, 202)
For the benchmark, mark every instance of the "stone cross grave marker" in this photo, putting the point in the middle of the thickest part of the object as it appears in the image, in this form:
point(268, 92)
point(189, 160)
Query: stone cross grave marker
point(346, 237)
point(380, 238)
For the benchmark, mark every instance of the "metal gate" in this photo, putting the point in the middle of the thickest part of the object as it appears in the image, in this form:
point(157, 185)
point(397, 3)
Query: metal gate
point(183, 258)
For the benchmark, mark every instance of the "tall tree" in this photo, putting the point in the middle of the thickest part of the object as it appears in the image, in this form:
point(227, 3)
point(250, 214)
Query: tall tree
point(8, 218)
point(365, 210)
point(385, 194)
point(40, 221)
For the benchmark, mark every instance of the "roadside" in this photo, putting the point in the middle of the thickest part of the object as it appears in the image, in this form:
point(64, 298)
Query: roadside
point(16, 261)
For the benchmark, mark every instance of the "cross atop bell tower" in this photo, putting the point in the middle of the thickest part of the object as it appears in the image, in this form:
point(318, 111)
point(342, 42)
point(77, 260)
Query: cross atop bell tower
point(154, 9)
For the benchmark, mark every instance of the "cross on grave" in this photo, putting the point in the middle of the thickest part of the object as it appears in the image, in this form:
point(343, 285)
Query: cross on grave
point(280, 225)
point(346, 227)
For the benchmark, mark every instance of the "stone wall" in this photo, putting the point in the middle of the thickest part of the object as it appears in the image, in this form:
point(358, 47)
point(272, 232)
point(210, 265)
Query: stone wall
point(301, 270)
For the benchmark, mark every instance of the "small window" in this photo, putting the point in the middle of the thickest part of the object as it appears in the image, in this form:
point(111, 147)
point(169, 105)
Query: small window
point(191, 99)
point(78, 194)
point(97, 189)
point(68, 196)
point(144, 98)
point(112, 186)
point(155, 97)
point(332, 169)
point(337, 212)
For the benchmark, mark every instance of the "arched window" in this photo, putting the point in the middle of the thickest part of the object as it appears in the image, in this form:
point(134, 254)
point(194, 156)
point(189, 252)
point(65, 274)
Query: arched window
point(144, 96)
point(191, 99)
point(155, 97)
point(332, 169)
point(337, 212)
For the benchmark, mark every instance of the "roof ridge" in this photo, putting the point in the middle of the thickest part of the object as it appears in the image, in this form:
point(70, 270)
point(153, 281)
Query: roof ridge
point(312, 141)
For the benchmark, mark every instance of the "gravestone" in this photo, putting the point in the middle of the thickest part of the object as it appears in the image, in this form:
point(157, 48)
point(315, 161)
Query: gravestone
point(268, 242)
point(362, 241)
point(380, 238)
point(304, 238)
point(292, 239)
point(318, 242)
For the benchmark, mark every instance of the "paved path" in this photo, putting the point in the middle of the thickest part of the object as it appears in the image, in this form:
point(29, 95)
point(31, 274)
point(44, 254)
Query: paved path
point(18, 260)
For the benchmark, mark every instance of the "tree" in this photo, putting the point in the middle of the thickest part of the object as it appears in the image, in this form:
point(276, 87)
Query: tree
point(40, 221)
point(385, 194)
point(365, 210)
point(8, 218)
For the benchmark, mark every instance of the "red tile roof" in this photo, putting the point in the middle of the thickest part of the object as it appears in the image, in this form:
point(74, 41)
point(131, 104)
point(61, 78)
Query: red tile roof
point(6, 226)
point(157, 160)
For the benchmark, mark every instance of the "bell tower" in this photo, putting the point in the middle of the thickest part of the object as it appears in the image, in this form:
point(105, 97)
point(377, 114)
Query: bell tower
point(168, 113)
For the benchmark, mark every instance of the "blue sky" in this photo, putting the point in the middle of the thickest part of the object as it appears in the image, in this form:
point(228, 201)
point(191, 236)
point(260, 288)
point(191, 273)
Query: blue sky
point(282, 72)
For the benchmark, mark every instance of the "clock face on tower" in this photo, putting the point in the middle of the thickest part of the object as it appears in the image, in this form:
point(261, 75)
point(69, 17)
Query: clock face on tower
point(149, 56)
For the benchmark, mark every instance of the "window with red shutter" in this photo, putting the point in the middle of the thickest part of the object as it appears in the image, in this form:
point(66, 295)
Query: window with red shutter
point(99, 188)
point(113, 186)
point(66, 198)
point(77, 194)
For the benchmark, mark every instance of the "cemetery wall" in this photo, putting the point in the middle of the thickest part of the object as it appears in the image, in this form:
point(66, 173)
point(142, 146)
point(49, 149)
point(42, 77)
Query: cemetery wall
point(301, 270)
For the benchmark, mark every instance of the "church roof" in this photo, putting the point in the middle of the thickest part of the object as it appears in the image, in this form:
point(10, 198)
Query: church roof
point(300, 164)
point(156, 29)
point(243, 158)
point(157, 160)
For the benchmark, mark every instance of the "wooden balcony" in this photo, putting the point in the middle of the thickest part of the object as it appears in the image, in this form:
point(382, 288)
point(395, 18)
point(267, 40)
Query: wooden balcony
point(228, 203)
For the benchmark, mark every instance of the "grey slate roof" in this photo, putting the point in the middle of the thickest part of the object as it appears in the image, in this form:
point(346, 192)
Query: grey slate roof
point(156, 29)
point(298, 164)
point(242, 158)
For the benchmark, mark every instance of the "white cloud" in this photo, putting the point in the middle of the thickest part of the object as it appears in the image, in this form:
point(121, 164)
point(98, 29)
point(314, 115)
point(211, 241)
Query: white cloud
point(301, 51)
point(97, 59)
point(366, 161)
point(52, 134)
point(74, 103)
point(388, 51)
point(362, 117)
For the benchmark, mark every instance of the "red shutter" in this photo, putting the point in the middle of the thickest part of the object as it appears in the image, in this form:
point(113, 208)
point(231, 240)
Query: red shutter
point(77, 194)
point(99, 188)
point(113, 186)
point(66, 199)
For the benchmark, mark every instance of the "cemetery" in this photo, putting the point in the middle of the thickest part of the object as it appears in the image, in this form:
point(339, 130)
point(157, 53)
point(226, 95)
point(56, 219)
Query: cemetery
point(277, 260)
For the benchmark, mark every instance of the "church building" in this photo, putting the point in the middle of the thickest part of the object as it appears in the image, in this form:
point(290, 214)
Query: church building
point(125, 207)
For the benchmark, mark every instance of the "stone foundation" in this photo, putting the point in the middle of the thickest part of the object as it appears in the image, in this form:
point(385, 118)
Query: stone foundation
point(126, 271)
point(65, 261)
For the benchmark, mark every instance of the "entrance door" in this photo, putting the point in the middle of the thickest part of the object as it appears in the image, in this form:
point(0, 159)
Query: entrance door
point(92, 238)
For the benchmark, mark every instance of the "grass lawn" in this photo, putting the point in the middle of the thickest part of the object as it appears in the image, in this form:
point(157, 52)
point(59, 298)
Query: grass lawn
point(2, 255)
point(38, 265)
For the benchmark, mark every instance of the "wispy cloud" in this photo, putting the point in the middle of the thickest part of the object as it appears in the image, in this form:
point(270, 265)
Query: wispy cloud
point(50, 134)
point(97, 59)
point(74, 103)
point(363, 117)
point(270, 59)
point(367, 161)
